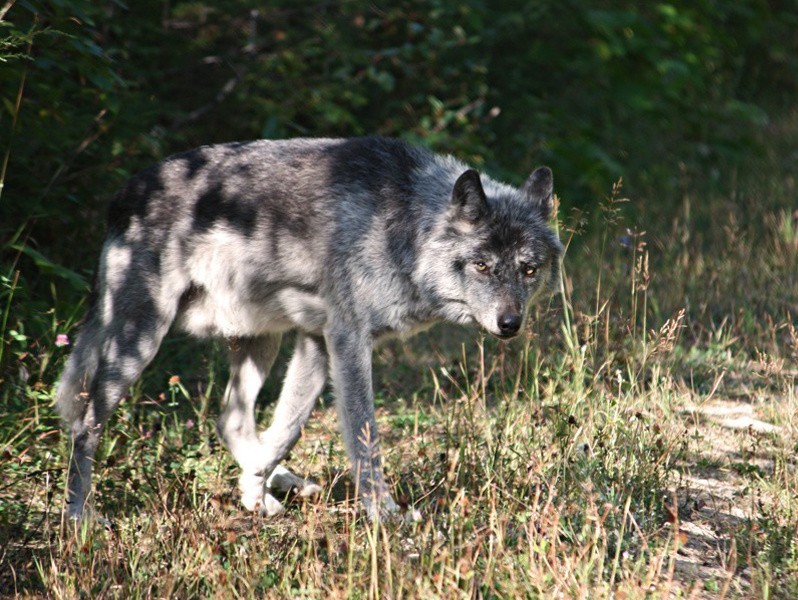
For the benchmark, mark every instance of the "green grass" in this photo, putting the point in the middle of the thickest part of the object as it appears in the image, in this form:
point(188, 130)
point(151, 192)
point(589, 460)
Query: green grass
point(597, 457)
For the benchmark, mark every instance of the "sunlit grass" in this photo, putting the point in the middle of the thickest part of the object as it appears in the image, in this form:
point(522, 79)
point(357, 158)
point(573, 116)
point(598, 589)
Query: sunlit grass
point(581, 461)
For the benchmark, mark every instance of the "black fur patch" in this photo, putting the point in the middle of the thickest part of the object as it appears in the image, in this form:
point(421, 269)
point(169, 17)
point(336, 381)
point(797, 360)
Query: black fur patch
point(384, 166)
point(133, 199)
point(212, 207)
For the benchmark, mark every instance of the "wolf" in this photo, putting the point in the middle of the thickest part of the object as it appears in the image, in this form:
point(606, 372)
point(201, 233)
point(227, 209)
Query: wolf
point(344, 241)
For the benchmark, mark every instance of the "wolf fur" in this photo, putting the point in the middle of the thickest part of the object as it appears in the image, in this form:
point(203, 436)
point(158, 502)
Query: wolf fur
point(343, 240)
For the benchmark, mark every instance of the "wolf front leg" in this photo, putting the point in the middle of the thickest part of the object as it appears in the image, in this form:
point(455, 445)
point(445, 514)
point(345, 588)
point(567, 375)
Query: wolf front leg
point(350, 368)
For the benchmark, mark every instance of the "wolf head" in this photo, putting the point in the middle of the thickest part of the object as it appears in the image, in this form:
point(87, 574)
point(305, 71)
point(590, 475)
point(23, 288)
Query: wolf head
point(498, 251)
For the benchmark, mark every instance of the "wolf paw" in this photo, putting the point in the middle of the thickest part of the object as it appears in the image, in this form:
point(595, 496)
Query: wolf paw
point(89, 517)
point(285, 482)
point(381, 509)
point(386, 511)
point(251, 487)
point(256, 496)
point(271, 506)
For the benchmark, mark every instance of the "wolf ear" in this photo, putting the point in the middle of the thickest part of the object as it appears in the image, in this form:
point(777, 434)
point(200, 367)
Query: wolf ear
point(468, 198)
point(539, 189)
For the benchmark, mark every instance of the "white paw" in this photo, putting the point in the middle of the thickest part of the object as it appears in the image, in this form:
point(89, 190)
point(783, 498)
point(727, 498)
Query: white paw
point(284, 481)
point(251, 487)
point(309, 489)
point(271, 506)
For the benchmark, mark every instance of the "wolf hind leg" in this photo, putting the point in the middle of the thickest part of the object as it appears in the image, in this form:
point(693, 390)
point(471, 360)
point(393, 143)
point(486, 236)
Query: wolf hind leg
point(251, 359)
point(107, 359)
point(304, 381)
point(259, 455)
point(72, 402)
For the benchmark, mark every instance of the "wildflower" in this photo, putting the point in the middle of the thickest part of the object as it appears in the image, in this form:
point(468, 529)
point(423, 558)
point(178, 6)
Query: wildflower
point(62, 339)
point(174, 380)
point(189, 423)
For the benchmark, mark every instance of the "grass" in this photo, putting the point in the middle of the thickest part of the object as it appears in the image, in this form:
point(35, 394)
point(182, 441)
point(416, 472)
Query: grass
point(638, 442)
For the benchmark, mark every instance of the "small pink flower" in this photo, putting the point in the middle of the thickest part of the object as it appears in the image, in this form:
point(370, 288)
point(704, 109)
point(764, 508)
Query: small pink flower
point(189, 423)
point(62, 339)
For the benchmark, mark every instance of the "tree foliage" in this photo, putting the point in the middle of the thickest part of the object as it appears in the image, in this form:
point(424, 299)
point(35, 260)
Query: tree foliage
point(597, 88)
point(93, 91)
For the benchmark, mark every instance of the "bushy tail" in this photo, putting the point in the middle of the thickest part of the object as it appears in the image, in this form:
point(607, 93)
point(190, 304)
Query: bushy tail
point(72, 390)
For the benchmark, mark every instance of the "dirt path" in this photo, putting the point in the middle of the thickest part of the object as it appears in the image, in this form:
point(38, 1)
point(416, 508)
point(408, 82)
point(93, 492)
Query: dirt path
point(731, 445)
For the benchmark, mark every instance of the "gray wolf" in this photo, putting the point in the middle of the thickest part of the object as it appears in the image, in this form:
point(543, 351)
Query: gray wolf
point(345, 241)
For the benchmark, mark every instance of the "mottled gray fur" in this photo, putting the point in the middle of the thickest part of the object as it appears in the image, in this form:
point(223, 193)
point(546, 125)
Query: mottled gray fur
point(344, 241)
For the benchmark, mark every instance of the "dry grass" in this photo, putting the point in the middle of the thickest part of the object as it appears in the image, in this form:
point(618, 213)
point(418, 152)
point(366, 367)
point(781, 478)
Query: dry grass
point(638, 443)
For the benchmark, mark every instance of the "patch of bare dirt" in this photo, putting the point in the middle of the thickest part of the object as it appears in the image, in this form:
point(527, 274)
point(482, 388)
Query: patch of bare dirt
point(715, 499)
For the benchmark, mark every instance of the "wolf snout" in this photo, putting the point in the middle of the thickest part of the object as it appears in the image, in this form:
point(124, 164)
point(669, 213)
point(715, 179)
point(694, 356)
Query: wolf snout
point(509, 324)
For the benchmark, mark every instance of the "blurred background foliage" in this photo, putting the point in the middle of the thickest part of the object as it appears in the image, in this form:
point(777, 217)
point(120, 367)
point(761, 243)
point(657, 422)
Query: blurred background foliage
point(671, 96)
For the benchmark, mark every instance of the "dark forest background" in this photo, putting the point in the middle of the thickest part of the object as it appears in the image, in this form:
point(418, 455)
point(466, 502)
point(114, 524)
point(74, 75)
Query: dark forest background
point(680, 99)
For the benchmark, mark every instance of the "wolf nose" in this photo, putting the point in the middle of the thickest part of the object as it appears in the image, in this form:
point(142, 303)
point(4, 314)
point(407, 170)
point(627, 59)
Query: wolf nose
point(509, 324)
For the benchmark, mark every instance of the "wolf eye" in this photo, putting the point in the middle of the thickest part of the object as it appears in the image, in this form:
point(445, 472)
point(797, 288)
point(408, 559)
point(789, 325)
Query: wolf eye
point(481, 266)
point(529, 270)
